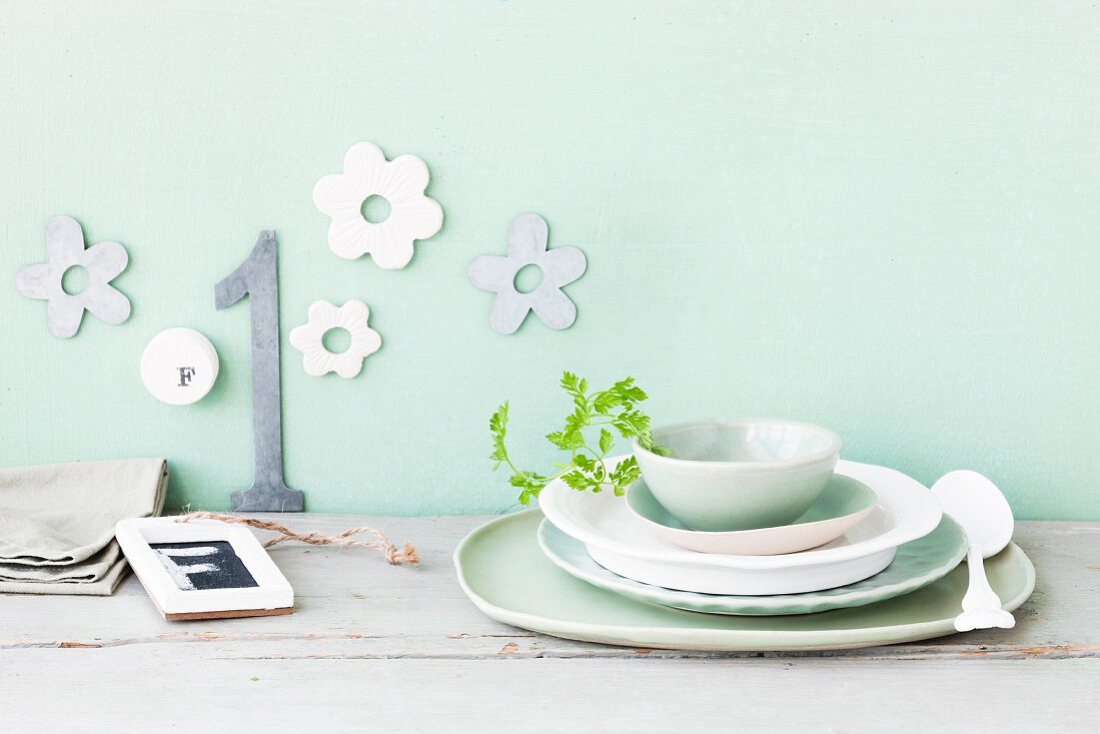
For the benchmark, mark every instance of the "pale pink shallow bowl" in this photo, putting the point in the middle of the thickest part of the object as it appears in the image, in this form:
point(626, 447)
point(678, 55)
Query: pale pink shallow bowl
point(843, 504)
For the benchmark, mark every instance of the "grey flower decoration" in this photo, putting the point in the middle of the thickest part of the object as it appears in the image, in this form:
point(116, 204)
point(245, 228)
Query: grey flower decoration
point(527, 240)
point(65, 249)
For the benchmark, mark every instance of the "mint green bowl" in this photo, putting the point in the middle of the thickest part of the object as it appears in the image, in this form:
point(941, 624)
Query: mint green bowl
point(739, 474)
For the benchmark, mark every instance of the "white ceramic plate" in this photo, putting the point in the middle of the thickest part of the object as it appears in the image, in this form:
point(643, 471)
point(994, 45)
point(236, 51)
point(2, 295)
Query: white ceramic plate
point(619, 542)
point(917, 564)
point(844, 503)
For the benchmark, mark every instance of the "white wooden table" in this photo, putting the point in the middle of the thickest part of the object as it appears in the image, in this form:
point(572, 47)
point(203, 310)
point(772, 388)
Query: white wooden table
point(372, 647)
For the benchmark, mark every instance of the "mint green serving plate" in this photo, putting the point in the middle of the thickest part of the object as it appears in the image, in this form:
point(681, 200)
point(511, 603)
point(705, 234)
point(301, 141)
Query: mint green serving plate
point(916, 564)
point(503, 571)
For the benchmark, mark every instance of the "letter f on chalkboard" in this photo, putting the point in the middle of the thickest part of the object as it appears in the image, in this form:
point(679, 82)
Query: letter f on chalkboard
point(257, 277)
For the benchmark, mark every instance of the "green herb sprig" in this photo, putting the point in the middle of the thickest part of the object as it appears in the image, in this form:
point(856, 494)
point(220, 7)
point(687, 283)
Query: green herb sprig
point(614, 408)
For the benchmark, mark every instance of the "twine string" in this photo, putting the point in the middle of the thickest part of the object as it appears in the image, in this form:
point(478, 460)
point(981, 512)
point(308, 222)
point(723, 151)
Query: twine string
point(394, 555)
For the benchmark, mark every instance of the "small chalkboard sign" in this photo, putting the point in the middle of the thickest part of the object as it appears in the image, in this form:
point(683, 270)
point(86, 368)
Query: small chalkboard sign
point(199, 566)
point(203, 569)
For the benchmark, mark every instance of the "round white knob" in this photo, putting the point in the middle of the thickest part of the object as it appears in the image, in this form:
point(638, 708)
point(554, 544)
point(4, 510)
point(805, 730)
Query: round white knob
point(179, 366)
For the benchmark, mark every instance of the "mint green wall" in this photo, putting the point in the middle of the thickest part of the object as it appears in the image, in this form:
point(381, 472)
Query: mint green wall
point(883, 217)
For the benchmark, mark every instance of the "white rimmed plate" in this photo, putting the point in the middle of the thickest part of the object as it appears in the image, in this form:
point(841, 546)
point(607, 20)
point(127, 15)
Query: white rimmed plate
point(916, 564)
point(621, 543)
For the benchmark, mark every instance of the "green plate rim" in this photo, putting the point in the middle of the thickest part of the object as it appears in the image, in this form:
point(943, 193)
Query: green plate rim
point(710, 640)
point(767, 605)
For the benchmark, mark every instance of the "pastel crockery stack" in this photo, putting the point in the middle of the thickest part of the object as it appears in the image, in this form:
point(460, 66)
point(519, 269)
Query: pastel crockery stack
point(744, 519)
point(732, 515)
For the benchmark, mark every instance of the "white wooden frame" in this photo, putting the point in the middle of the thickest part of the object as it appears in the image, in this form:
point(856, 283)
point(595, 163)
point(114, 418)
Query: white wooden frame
point(272, 595)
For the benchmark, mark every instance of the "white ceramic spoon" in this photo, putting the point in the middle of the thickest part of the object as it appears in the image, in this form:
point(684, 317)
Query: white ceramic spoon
point(977, 505)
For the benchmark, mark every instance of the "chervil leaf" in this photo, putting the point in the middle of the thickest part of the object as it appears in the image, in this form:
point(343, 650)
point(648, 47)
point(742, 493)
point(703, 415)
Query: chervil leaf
point(576, 479)
point(558, 439)
point(627, 392)
point(571, 383)
point(606, 441)
point(625, 474)
point(631, 423)
point(576, 421)
point(585, 470)
point(604, 402)
point(498, 427)
point(498, 422)
point(568, 381)
point(573, 440)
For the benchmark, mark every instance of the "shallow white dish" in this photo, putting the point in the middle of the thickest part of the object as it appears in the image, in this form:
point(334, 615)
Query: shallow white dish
point(686, 576)
point(839, 508)
point(621, 543)
point(917, 564)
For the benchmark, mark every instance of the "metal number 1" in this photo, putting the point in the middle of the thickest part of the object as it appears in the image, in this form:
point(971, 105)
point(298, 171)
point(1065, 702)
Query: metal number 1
point(256, 277)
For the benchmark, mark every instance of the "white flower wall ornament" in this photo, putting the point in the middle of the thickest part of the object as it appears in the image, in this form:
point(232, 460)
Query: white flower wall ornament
point(323, 316)
point(401, 182)
point(65, 249)
point(527, 245)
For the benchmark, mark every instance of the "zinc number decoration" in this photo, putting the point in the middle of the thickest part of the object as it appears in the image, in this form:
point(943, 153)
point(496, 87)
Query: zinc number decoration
point(367, 175)
point(101, 262)
point(257, 278)
point(323, 317)
point(527, 246)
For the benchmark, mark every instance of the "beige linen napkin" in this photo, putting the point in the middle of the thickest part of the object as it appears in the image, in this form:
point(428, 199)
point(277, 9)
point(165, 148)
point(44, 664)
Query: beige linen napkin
point(57, 522)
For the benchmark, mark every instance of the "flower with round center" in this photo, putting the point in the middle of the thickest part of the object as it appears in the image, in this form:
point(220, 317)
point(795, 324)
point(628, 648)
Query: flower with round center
point(527, 241)
point(324, 316)
point(401, 182)
point(65, 249)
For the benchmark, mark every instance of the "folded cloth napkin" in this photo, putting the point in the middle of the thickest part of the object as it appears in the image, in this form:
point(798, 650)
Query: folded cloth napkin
point(57, 523)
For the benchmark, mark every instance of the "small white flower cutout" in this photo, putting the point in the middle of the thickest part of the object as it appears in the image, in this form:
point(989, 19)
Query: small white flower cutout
point(309, 338)
point(401, 182)
point(527, 241)
point(65, 249)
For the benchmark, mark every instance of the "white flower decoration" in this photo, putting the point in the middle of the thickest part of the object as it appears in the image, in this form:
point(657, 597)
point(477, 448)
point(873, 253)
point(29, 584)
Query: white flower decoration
point(413, 216)
point(309, 338)
point(65, 249)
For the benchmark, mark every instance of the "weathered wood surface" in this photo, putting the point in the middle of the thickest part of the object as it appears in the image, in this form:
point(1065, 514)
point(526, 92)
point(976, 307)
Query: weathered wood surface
point(401, 649)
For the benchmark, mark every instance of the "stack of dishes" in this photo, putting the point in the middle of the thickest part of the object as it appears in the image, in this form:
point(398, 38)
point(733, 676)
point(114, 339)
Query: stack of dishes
point(742, 518)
